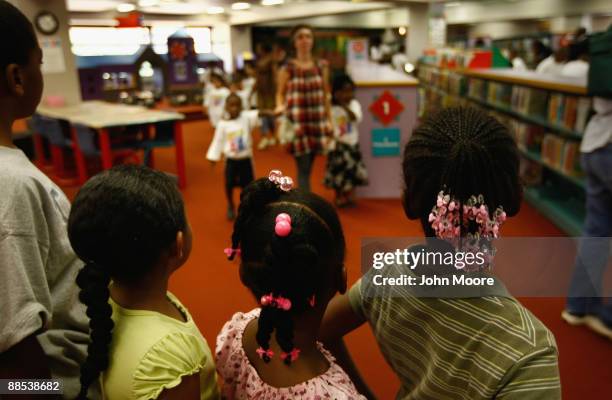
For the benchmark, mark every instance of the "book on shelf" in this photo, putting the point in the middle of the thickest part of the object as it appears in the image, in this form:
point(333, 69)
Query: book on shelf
point(583, 109)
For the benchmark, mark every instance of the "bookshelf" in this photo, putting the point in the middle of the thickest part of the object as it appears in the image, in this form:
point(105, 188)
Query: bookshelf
point(546, 116)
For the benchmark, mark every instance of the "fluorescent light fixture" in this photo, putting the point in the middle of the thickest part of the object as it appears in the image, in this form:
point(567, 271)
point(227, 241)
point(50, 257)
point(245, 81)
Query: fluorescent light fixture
point(215, 10)
point(240, 6)
point(271, 2)
point(147, 3)
point(453, 4)
point(402, 30)
point(126, 7)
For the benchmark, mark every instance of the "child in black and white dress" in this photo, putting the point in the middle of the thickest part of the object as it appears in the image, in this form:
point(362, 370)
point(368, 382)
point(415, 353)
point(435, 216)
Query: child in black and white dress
point(345, 168)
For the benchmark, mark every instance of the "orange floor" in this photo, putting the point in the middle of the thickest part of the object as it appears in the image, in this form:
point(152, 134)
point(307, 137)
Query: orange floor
point(208, 284)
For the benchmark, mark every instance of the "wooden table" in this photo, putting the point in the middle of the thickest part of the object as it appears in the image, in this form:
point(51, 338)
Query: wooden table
point(101, 116)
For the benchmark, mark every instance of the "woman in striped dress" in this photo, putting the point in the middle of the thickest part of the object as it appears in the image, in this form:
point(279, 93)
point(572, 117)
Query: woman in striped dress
point(303, 96)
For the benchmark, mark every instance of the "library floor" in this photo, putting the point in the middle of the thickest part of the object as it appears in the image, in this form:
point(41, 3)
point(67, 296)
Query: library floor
point(209, 286)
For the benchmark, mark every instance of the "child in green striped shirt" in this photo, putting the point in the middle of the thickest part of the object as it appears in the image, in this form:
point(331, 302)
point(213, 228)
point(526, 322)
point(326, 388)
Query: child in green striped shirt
point(485, 346)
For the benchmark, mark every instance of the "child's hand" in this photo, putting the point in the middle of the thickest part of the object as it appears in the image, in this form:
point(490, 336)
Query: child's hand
point(331, 145)
point(279, 109)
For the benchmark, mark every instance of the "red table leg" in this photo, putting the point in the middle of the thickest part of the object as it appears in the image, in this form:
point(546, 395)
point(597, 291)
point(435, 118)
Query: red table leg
point(151, 135)
point(180, 154)
point(105, 149)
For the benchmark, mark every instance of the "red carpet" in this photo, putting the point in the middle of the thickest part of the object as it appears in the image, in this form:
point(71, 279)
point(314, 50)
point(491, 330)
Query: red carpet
point(209, 286)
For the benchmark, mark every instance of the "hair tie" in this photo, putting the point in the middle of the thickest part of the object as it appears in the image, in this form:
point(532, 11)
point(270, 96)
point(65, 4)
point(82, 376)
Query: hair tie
point(283, 224)
point(264, 354)
point(292, 355)
point(269, 300)
point(284, 183)
point(230, 252)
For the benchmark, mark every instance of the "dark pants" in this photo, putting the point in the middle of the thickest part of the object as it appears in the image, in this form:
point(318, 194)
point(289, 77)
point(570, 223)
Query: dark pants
point(304, 168)
point(586, 286)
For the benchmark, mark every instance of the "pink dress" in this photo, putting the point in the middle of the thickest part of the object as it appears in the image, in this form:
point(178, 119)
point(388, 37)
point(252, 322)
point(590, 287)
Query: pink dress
point(241, 381)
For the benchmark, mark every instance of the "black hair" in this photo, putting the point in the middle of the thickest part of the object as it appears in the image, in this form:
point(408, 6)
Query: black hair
point(220, 77)
point(294, 32)
point(340, 81)
point(120, 223)
point(266, 47)
point(18, 36)
point(578, 48)
point(465, 152)
point(297, 266)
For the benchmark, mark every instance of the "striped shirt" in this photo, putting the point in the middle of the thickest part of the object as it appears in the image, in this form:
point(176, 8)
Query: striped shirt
point(460, 348)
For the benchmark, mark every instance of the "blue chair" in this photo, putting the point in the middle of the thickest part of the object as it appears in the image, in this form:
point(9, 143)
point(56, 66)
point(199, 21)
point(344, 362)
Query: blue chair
point(85, 147)
point(164, 137)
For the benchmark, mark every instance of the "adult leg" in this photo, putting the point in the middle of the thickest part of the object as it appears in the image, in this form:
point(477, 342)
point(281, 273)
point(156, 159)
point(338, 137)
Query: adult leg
point(304, 167)
point(585, 289)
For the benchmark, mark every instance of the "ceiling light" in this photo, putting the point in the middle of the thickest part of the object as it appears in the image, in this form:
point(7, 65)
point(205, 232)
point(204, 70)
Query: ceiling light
point(215, 10)
point(453, 4)
point(126, 7)
point(271, 2)
point(240, 6)
point(402, 30)
point(147, 3)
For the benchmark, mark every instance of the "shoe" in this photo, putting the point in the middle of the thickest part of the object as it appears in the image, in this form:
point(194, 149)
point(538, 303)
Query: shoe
point(263, 143)
point(231, 215)
point(574, 319)
point(598, 326)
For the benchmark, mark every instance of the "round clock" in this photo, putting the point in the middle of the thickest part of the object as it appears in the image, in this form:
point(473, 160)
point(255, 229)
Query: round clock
point(46, 23)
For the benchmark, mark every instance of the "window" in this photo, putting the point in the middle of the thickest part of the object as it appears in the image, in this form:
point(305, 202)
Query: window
point(108, 41)
point(104, 41)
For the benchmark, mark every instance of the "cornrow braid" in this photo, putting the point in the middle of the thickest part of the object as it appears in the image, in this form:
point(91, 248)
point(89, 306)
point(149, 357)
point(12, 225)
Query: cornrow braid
point(465, 152)
point(93, 281)
point(296, 266)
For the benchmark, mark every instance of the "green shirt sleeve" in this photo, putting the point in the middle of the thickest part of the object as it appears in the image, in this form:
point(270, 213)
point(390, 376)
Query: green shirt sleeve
point(534, 377)
point(355, 299)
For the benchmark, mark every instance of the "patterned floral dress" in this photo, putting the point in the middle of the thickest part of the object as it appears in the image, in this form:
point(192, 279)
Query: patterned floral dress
point(241, 381)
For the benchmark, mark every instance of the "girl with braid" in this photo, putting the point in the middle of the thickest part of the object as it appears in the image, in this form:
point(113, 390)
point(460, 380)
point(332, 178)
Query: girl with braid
point(483, 345)
point(128, 225)
point(291, 249)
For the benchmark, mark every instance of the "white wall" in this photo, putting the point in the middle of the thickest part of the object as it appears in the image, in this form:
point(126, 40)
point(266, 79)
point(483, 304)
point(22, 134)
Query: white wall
point(378, 19)
point(64, 84)
point(487, 11)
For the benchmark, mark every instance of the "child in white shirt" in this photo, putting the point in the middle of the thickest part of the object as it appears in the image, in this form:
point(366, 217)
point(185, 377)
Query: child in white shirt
point(345, 168)
point(214, 99)
point(233, 140)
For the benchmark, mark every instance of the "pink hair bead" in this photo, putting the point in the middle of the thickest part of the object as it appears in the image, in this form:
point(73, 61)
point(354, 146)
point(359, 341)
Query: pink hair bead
point(274, 175)
point(282, 228)
point(285, 183)
point(283, 217)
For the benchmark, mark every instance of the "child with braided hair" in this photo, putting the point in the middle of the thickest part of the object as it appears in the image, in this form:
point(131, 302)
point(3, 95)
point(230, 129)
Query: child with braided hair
point(291, 250)
point(461, 179)
point(129, 226)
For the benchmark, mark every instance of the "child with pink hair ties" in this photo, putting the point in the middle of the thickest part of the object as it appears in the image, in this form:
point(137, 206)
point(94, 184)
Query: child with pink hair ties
point(291, 250)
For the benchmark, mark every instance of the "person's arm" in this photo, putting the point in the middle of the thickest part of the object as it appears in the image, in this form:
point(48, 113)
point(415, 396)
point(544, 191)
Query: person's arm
point(327, 91)
point(189, 388)
point(534, 377)
point(281, 88)
point(339, 320)
point(25, 296)
point(216, 146)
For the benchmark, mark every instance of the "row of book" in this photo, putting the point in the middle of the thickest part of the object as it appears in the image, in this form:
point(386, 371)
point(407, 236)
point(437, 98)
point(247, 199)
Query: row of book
point(553, 150)
point(570, 112)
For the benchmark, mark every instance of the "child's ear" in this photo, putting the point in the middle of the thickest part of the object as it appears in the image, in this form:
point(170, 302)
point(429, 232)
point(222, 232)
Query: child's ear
point(179, 247)
point(14, 79)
